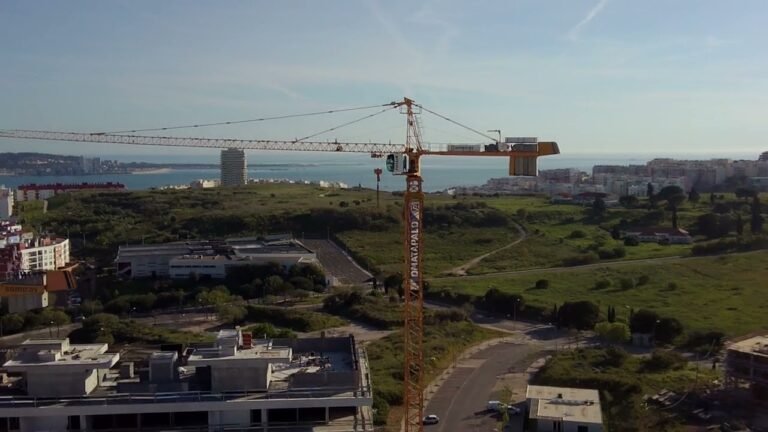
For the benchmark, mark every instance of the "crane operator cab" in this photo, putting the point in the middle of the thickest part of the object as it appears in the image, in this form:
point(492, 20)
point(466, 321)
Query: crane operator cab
point(398, 163)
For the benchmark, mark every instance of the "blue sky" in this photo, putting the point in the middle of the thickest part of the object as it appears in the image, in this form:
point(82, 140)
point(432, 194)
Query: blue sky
point(598, 76)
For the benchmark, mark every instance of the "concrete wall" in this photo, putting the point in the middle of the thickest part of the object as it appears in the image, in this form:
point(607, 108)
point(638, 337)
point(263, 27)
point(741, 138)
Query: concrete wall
point(330, 344)
point(548, 426)
point(231, 419)
point(43, 424)
point(66, 383)
point(22, 303)
point(238, 378)
point(348, 380)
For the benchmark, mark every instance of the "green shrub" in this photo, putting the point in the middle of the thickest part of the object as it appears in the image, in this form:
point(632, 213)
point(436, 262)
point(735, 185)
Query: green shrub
point(664, 360)
point(294, 319)
point(602, 284)
point(577, 234)
point(626, 283)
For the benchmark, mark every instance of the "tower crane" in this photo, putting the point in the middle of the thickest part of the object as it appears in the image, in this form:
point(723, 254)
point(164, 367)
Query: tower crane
point(401, 159)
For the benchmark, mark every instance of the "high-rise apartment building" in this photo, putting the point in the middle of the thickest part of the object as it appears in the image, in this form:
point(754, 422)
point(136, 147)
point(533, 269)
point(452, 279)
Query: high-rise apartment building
point(6, 203)
point(233, 167)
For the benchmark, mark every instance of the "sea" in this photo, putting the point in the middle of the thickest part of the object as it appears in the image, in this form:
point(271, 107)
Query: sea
point(439, 173)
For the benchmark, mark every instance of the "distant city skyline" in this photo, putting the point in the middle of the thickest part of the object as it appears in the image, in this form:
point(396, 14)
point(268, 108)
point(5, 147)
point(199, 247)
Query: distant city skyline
point(598, 76)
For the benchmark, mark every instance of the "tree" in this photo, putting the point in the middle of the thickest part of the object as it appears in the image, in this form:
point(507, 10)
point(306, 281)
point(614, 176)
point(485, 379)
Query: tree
point(693, 196)
point(611, 314)
point(118, 306)
point(231, 314)
point(598, 207)
point(649, 190)
point(581, 315)
point(273, 284)
point(393, 281)
point(745, 193)
point(12, 323)
point(667, 330)
point(739, 224)
point(674, 196)
point(712, 198)
point(643, 321)
point(756, 220)
point(522, 214)
point(614, 333)
point(628, 201)
point(91, 307)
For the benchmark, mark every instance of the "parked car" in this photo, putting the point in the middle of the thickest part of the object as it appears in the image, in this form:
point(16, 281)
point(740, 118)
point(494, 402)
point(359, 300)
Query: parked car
point(431, 419)
point(494, 405)
point(513, 410)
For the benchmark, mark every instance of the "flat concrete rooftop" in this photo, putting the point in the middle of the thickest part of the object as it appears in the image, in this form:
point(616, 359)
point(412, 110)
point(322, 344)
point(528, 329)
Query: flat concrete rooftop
point(47, 353)
point(564, 403)
point(757, 345)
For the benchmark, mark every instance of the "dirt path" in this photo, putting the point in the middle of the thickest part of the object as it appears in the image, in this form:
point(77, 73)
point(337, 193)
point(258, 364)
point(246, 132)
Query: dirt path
point(462, 269)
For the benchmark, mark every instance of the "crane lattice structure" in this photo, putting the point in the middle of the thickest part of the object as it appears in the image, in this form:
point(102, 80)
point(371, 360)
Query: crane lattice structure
point(402, 159)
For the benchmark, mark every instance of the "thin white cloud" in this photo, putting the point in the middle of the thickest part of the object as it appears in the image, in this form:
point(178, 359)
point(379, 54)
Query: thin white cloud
point(574, 32)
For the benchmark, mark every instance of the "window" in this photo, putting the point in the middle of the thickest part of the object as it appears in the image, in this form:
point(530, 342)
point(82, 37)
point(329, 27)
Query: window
point(14, 424)
point(582, 428)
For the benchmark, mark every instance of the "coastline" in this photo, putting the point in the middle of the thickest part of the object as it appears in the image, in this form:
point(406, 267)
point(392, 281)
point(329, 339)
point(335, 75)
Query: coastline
point(153, 171)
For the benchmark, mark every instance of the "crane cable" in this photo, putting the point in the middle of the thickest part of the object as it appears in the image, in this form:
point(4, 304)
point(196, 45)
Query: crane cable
point(243, 121)
point(347, 123)
point(457, 123)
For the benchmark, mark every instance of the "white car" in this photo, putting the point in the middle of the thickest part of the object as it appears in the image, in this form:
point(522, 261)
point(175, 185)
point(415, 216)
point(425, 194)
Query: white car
point(431, 419)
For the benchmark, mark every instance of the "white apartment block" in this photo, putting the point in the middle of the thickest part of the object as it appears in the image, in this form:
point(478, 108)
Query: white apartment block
point(561, 409)
point(235, 384)
point(6, 203)
point(45, 254)
point(233, 167)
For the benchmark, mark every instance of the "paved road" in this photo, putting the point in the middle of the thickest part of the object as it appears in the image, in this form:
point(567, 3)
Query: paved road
point(460, 400)
point(37, 334)
point(337, 263)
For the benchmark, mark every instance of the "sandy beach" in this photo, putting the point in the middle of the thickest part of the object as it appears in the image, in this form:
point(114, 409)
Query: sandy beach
point(153, 171)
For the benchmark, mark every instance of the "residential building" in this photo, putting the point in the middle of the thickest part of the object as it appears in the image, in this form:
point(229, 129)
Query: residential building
point(38, 290)
point(44, 253)
point(660, 234)
point(203, 184)
point(233, 167)
point(23, 252)
point(747, 361)
point(561, 409)
point(561, 175)
point(90, 165)
point(211, 259)
point(235, 383)
point(33, 192)
point(6, 203)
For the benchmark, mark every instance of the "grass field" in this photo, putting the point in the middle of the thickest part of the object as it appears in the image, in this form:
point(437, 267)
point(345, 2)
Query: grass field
point(726, 293)
point(442, 251)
